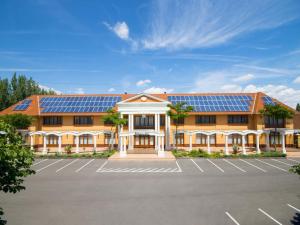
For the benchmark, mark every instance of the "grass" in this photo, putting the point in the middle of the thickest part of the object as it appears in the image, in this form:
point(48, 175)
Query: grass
point(199, 153)
point(99, 155)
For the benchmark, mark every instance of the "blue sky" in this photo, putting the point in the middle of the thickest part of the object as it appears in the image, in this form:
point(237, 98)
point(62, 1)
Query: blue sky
point(76, 46)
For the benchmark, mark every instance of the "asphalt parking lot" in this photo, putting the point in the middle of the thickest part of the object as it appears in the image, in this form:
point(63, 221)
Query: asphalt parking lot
point(199, 191)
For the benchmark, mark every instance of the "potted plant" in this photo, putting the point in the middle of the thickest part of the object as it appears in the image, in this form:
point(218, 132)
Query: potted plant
point(68, 149)
point(235, 149)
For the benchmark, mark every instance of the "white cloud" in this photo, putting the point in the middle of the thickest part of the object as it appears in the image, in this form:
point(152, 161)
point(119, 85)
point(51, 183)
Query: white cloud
point(231, 88)
point(141, 83)
point(157, 90)
point(196, 24)
point(297, 80)
point(244, 78)
point(217, 81)
point(111, 90)
point(79, 91)
point(287, 95)
point(121, 29)
point(50, 89)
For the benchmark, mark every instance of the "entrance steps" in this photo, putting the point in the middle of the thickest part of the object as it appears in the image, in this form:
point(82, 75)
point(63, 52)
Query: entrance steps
point(148, 156)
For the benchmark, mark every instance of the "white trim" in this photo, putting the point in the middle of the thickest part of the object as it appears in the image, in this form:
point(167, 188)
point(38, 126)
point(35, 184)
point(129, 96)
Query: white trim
point(141, 95)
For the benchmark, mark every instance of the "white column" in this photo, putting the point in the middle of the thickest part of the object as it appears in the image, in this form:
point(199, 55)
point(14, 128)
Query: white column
point(130, 129)
point(191, 144)
point(158, 143)
point(31, 142)
point(77, 144)
point(45, 145)
point(268, 141)
point(161, 152)
point(283, 143)
point(257, 144)
point(95, 143)
point(167, 131)
point(155, 129)
point(208, 144)
point(123, 152)
point(226, 145)
point(243, 145)
point(120, 130)
point(59, 144)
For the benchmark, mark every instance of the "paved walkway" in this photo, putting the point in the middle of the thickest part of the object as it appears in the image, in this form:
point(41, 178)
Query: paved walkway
point(168, 156)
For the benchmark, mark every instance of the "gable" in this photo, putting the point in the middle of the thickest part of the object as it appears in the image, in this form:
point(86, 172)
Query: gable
point(144, 98)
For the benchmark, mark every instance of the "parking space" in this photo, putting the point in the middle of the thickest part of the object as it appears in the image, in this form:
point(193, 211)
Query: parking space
point(185, 191)
point(206, 167)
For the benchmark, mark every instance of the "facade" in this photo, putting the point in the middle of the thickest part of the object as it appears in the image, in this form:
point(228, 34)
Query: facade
point(217, 122)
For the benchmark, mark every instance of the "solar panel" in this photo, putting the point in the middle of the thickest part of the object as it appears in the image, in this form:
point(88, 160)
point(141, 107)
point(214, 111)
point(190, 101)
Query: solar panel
point(81, 104)
point(268, 100)
point(23, 105)
point(215, 103)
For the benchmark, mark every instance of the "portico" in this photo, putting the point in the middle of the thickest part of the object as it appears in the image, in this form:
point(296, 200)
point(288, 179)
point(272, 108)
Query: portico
point(145, 127)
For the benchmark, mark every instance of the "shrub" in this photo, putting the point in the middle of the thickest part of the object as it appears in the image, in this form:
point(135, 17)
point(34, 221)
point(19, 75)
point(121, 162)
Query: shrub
point(104, 154)
point(235, 149)
point(68, 149)
point(295, 169)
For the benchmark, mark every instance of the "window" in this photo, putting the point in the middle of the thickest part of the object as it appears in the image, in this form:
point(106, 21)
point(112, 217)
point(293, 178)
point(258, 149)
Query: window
point(236, 139)
point(85, 139)
point(83, 120)
point(275, 138)
point(180, 139)
point(52, 140)
point(271, 122)
point(180, 121)
point(236, 119)
point(52, 120)
point(144, 122)
point(205, 119)
point(201, 139)
point(107, 139)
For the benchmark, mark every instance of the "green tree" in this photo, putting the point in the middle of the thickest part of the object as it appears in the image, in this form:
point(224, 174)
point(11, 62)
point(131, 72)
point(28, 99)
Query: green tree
point(15, 161)
point(18, 120)
point(295, 169)
point(19, 88)
point(298, 107)
point(177, 112)
point(277, 112)
point(114, 118)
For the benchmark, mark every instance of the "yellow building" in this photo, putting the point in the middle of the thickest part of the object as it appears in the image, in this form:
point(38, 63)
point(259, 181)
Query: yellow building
point(218, 122)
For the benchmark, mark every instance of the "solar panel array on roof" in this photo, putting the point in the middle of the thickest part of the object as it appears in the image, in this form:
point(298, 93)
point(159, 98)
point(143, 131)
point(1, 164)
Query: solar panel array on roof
point(215, 103)
point(23, 105)
point(78, 104)
point(268, 100)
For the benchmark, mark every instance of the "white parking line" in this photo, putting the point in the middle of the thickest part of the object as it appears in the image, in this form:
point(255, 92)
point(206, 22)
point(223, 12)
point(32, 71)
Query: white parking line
point(179, 168)
point(40, 162)
point(199, 168)
point(215, 165)
point(293, 160)
point(231, 217)
point(84, 165)
point(293, 207)
point(281, 162)
point(271, 165)
point(235, 165)
point(66, 165)
point(269, 216)
point(48, 165)
point(102, 166)
point(253, 165)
